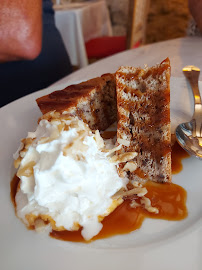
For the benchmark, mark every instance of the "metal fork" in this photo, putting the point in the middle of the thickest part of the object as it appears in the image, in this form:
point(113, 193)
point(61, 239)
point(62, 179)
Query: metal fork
point(192, 75)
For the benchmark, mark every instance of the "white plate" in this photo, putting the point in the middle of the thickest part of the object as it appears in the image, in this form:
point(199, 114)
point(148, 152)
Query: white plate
point(159, 244)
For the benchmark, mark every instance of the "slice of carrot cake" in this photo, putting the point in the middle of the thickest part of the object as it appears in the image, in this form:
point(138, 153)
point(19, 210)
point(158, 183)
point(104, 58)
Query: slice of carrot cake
point(93, 101)
point(143, 102)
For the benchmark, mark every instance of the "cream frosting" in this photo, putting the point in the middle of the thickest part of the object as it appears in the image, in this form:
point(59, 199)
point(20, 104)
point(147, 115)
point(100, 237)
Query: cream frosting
point(65, 174)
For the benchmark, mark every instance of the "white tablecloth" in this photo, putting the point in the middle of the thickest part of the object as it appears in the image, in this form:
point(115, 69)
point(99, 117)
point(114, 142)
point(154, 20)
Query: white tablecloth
point(80, 22)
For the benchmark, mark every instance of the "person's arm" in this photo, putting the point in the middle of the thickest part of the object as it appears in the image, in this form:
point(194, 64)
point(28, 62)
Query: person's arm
point(20, 29)
point(195, 7)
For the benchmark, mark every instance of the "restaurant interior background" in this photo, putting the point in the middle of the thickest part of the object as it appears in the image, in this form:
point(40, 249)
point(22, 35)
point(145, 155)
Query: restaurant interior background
point(167, 19)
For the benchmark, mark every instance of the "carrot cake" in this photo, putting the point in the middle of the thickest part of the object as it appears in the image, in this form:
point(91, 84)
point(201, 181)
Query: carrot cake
point(143, 104)
point(93, 101)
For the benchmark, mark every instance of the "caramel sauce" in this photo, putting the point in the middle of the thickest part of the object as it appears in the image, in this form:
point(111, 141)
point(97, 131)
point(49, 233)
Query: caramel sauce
point(13, 188)
point(108, 134)
point(169, 198)
point(177, 155)
point(140, 173)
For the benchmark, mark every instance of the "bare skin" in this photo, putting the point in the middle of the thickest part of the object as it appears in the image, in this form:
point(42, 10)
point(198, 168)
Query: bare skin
point(20, 29)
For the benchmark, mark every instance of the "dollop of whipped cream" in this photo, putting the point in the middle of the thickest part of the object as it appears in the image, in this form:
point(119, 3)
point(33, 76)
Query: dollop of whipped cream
point(66, 174)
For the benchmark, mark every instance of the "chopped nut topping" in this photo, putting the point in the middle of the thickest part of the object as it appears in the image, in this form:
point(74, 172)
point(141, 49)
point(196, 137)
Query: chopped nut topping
point(99, 140)
point(139, 191)
point(147, 205)
point(26, 170)
point(130, 166)
point(17, 162)
point(44, 140)
point(123, 142)
point(111, 151)
point(123, 157)
point(39, 225)
point(134, 204)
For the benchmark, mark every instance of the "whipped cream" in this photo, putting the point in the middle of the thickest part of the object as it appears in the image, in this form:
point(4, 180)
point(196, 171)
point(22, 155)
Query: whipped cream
point(66, 175)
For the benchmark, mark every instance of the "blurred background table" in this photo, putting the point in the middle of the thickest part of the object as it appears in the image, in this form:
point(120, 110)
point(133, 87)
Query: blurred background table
point(181, 51)
point(80, 22)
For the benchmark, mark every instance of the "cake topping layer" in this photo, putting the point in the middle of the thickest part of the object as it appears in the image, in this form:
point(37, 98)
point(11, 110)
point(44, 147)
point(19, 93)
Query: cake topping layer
point(66, 177)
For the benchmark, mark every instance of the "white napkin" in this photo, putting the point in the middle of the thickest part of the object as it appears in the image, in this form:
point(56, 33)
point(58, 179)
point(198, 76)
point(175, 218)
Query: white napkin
point(181, 101)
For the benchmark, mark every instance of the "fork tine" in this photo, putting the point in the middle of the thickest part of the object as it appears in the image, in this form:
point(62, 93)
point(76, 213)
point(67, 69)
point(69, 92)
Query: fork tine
point(197, 128)
point(200, 141)
point(201, 131)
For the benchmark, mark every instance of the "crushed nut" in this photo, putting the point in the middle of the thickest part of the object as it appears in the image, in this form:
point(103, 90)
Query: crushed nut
point(123, 157)
point(99, 139)
point(147, 205)
point(134, 204)
point(130, 166)
point(26, 170)
point(123, 142)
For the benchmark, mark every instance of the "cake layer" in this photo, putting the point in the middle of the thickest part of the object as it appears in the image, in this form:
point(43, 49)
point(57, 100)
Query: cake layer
point(93, 101)
point(143, 102)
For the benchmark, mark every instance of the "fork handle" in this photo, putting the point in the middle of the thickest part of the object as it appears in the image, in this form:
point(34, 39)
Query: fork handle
point(193, 77)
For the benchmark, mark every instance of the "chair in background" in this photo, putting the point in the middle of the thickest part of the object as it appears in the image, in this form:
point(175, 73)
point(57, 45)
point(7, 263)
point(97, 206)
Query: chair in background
point(101, 47)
